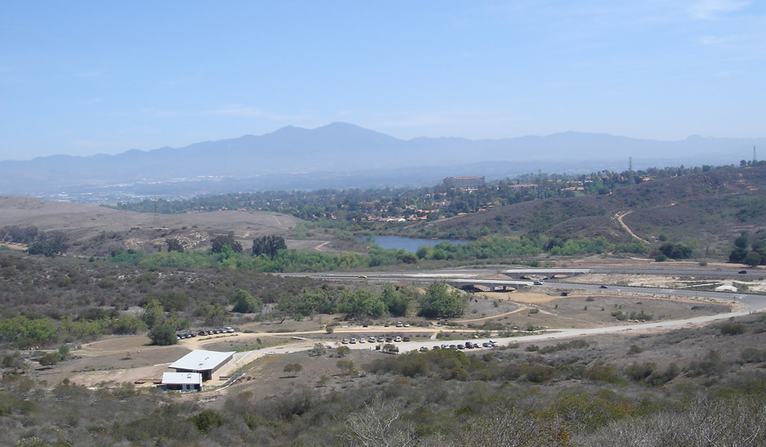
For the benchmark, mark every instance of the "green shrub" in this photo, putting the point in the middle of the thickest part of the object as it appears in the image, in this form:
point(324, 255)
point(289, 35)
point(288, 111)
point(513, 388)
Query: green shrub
point(207, 420)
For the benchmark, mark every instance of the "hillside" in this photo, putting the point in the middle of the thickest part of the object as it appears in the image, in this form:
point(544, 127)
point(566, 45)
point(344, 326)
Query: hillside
point(707, 210)
point(95, 229)
point(340, 149)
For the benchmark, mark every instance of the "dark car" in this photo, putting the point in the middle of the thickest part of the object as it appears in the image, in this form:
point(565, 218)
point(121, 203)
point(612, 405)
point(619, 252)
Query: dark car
point(603, 286)
point(742, 272)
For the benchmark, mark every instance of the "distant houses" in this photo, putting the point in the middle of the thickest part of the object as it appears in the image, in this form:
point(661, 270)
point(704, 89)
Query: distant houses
point(464, 182)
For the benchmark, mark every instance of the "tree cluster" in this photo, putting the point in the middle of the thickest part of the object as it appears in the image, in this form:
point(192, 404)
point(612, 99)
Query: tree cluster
point(749, 249)
point(268, 245)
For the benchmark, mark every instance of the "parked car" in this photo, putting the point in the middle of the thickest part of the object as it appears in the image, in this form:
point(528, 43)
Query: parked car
point(486, 344)
point(399, 324)
point(405, 338)
point(344, 341)
point(461, 346)
point(742, 272)
point(436, 347)
point(372, 339)
point(397, 339)
point(423, 349)
point(353, 340)
point(602, 286)
point(362, 340)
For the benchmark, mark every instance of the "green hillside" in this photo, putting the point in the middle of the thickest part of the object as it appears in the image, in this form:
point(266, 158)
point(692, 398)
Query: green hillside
point(706, 210)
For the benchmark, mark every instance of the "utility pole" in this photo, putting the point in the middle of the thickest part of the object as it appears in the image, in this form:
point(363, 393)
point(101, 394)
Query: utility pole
point(630, 164)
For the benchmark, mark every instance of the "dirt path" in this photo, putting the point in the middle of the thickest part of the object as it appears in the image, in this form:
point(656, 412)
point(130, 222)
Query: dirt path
point(492, 317)
point(620, 216)
point(321, 246)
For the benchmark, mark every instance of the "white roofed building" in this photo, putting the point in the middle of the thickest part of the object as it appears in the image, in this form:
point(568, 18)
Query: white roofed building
point(182, 381)
point(202, 362)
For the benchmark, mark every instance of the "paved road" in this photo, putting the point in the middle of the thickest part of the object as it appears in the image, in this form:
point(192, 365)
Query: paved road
point(750, 301)
point(478, 276)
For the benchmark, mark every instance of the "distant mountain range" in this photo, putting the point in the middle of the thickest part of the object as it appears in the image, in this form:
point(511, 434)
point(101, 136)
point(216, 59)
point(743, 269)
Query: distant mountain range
point(341, 151)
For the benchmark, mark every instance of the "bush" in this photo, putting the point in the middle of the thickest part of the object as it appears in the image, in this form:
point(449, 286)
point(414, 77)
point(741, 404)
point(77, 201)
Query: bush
point(753, 355)
point(539, 373)
point(244, 302)
point(638, 372)
point(732, 328)
point(207, 420)
point(603, 373)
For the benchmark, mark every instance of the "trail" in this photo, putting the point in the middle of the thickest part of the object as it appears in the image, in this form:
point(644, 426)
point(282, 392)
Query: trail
point(620, 216)
point(492, 317)
point(320, 246)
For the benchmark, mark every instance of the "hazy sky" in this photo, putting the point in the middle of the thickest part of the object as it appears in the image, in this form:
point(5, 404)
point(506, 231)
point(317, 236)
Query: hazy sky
point(83, 77)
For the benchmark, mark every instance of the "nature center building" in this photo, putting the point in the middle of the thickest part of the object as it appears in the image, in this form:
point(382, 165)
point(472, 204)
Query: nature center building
point(203, 362)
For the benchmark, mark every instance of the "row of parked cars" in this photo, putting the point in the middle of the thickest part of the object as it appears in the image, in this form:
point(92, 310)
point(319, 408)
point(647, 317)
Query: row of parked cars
point(190, 334)
point(461, 346)
point(373, 339)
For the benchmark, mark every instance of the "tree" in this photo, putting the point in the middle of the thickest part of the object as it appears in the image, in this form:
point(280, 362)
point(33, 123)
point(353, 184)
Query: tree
point(752, 259)
point(220, 244)
point(49, 244)
point(396, 301)
point(153, 313)
point(268, 245)
point(293, 369)
point(676, 251)
point(163, 333)
point(442, 301)
point(174, 245)
point(361, 303)
point(244, 302)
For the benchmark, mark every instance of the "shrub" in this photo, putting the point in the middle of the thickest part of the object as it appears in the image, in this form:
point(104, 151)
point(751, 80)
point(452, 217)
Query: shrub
point(207, 420)
point(731, 328)
point(638, 372)
point(245, 302)
point(753, 355)
point(539, 373)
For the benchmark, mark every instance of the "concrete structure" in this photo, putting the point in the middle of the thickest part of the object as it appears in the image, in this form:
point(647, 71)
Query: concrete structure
point(464, 182)
point(202, 362)
point(182, 381)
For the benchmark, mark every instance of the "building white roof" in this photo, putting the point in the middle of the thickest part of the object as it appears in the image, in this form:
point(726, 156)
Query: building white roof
point(200, 360)
point(169, 378)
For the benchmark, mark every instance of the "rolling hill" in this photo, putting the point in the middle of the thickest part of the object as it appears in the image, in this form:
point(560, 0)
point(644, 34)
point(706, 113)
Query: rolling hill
point(342, 148)
point(706, 210)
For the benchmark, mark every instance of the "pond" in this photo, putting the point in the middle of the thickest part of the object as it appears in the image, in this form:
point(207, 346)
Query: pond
point(410, 244)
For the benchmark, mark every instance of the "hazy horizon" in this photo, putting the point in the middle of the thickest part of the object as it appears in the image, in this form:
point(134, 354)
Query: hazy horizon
point(435, 137)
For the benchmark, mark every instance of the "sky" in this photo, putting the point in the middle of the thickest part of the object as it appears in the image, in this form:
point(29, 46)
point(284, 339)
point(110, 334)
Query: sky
point(90, 77)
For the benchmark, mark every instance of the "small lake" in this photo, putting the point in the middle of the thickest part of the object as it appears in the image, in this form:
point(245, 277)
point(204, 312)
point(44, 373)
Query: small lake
point(410, 244)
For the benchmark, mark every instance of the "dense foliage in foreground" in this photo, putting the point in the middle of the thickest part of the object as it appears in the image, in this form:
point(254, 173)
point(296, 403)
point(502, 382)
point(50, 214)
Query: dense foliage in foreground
point(566, 394)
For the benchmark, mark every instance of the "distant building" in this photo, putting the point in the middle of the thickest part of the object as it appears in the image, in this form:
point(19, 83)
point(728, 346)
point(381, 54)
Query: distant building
point(203, 362)
point(466, 182)
point(177, 381)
